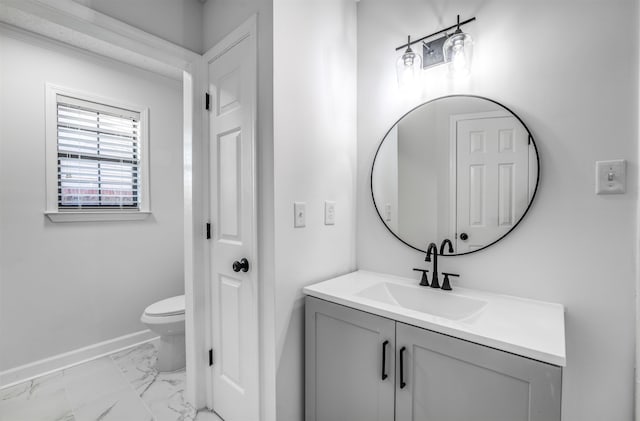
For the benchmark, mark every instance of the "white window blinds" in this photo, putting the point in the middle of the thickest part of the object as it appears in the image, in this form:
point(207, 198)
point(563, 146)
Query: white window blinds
point(98, 155)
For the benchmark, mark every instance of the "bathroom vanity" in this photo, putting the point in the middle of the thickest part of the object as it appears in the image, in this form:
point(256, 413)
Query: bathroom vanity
point(380, 347)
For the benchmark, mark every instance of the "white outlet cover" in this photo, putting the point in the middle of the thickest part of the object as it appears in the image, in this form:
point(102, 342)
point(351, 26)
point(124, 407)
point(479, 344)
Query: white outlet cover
point(611, 177)
point(329, 213)
point(299, 214)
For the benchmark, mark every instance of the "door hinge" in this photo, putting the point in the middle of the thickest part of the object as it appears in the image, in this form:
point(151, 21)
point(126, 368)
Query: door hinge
point(207, 98)
point(210, 357)
point(208, 230)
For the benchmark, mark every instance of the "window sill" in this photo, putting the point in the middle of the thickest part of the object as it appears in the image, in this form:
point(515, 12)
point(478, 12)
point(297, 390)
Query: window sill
point(96, 216)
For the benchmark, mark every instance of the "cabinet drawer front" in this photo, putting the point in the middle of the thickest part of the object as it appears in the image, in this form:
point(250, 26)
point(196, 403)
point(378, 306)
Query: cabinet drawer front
point(344, 365)
point(449, 379)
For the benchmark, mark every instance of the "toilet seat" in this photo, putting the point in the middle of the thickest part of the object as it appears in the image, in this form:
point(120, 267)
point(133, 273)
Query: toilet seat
point(173, 306)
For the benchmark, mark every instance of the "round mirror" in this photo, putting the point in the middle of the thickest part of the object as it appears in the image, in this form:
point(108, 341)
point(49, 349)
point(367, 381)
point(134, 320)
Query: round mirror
point(459, 167)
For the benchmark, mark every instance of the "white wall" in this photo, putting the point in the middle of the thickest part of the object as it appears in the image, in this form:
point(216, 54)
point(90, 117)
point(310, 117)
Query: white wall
point(68, 285)
point(178, 21)
point(573, 247)
point(314, 160)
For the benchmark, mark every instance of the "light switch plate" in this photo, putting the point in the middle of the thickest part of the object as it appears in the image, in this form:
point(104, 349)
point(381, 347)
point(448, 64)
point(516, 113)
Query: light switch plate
point(299, 214)
point(329, 213)
point(611, 177)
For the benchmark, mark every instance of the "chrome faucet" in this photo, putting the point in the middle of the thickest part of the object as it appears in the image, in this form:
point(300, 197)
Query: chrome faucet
point(433, 249)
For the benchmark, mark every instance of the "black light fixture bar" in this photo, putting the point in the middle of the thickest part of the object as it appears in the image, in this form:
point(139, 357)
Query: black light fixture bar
point(437, 33)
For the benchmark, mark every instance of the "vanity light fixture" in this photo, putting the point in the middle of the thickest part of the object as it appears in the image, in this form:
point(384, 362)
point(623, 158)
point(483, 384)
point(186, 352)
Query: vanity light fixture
point(458, 52)
point(408, 66)
point(456, 49)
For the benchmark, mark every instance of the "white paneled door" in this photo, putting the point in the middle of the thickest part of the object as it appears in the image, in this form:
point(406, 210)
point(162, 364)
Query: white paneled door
point(233, 288)
point(492, 178)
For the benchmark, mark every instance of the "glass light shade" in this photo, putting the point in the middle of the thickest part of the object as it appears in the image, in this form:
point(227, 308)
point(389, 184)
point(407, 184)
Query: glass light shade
point(408, 68)
point(458, 52)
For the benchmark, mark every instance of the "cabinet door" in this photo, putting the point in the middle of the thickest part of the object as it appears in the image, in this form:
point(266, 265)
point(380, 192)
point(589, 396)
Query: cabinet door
point(344, 364)
point(449, 379)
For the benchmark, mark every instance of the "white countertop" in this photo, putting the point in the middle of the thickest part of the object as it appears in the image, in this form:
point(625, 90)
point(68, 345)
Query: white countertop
point(533, 329)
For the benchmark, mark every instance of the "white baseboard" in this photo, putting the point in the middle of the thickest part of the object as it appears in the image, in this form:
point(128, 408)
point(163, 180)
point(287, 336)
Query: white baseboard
point(71, 358)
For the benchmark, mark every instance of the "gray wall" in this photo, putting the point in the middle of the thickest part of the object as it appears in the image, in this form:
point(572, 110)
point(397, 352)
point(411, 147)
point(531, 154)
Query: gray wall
point(178, 21)
point(574, 247)
point(314, 161)
point(418, 179)
point(65, 286)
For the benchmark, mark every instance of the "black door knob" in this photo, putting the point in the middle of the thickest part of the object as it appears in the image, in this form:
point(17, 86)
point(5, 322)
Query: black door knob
point(242, 265)
point(464, 236)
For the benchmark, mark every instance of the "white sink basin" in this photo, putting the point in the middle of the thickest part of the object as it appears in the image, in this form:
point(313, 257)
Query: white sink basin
point(530, 328)
point(424, 299)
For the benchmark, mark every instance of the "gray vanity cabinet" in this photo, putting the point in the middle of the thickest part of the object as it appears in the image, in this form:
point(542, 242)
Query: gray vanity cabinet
point(442, 378)
point(344, 349)
point(449, 379)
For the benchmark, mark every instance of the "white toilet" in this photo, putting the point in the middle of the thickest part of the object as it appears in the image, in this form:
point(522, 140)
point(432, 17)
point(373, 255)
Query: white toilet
point(166, 318)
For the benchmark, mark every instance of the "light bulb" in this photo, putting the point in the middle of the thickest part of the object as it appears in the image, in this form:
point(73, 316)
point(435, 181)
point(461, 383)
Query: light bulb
point(408, 67)
point(458, 59)
point(458, 52)
point(408, 58)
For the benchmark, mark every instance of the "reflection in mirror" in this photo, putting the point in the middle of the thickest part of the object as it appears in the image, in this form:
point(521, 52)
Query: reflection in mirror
point(458, 167)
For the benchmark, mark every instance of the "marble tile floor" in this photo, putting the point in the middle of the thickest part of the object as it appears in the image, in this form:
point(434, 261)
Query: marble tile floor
point(120, 387)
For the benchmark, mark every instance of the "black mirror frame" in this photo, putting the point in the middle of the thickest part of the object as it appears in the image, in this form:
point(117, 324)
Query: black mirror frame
point(531, 139)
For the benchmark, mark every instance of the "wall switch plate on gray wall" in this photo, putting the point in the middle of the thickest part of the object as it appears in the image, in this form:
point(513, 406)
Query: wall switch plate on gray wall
point(611, 177)
point(299, 214)
point(329, 213)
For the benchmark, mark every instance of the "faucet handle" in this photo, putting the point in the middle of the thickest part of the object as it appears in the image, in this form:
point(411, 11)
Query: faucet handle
point(445, 282)
point(423, 281)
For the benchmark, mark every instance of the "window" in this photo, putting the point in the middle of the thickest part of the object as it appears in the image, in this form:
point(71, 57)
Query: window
point(98, 159)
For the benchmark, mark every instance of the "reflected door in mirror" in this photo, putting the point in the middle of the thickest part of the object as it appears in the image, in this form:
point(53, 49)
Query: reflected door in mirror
point(492, 177)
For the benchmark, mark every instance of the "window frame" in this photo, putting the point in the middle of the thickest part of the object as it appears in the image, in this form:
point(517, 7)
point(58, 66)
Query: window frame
point(56, 214)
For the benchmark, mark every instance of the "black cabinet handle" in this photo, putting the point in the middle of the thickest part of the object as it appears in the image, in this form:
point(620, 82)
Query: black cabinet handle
point(242, 265)
point(384, 360)
point(464, 236)
point(402, 382)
